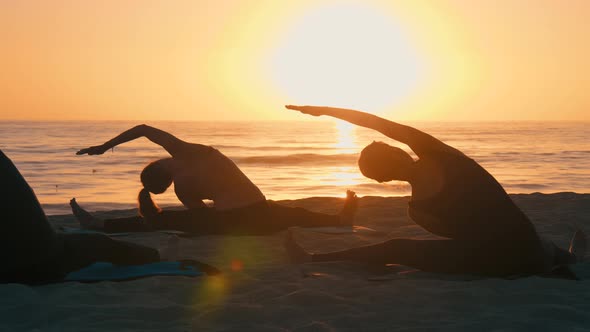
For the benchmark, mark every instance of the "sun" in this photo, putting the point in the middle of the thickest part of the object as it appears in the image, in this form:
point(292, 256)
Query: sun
point(348, 55)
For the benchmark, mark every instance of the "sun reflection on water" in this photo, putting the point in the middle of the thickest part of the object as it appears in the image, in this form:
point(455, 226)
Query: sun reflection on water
point(345, 137)
point(345, 176)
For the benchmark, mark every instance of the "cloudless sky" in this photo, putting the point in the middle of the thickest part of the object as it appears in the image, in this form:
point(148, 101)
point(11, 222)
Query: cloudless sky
point(243, 59)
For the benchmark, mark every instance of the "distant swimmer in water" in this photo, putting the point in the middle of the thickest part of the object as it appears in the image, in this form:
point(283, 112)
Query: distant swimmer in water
point(452, 197)
point(202, 172)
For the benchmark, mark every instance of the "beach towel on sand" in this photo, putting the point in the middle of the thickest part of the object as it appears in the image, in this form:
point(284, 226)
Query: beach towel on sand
point(103, 271)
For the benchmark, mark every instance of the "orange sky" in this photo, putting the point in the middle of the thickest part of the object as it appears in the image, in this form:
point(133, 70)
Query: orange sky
point(242, 60)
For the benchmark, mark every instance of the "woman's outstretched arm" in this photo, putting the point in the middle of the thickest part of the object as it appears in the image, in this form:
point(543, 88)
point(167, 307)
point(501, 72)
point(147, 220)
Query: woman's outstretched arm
point(417, 140)
point(166, 140)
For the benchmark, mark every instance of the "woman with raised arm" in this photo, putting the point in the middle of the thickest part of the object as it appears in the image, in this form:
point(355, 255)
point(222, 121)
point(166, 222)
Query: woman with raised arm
point(453, 197)
point(201, 172)
point(32, 253)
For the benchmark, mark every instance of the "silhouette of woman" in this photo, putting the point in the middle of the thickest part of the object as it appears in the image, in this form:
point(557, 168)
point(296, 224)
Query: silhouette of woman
point(31, 252)
point(202, 172)
point(452, 197)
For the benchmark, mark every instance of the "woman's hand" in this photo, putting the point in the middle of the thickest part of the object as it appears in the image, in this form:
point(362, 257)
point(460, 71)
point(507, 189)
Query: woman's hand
point(98, 149)
point(311, 110)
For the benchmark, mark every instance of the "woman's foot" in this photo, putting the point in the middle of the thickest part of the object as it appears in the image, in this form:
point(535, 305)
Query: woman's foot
point(348, 211)
point(86, 220)
point(170, 252)
point(295, 252)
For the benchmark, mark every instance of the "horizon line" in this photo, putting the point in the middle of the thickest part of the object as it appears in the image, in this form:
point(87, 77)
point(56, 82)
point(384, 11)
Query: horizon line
point(290, 120)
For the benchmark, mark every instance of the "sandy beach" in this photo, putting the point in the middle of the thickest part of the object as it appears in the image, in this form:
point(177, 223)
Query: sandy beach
point(177, 104)
point(261, 291)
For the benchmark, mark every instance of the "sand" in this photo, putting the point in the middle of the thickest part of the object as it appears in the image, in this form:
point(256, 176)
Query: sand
point(261, 291)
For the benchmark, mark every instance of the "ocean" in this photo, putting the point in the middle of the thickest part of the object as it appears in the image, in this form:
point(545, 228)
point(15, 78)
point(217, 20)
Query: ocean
point(287, 160)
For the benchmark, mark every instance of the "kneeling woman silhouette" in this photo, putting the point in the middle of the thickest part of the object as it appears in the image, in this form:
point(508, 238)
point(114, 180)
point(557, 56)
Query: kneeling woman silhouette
point(452, 197)
point(202, 172)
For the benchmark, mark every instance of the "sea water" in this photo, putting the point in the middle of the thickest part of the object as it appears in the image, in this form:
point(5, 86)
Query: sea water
point(287, 160)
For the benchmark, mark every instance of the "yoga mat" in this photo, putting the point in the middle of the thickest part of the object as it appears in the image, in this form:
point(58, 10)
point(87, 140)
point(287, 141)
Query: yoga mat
point(103, 271)
point(72, 230)
point(341, 229)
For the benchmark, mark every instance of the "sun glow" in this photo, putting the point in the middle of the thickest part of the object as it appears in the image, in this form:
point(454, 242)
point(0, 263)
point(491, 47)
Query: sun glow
point(350, 55)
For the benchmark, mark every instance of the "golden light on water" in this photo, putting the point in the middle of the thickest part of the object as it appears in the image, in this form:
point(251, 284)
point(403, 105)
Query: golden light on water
point(346, 176)
point(346, 142)
point(345, 136)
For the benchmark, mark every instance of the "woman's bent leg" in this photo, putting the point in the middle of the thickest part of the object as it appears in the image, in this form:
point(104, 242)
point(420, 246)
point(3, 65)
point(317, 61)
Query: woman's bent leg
point(210, 221)
point(442, 256)
point(194, 221)
point(111, 225)
point(260, 218)
point(82, 250)
point(427, 255)
point(283, 217)
point(126, 224)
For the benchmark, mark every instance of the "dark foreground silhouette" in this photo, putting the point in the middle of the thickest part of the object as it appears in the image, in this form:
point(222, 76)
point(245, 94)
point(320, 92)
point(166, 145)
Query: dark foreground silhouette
point(32, 253)
point(202, 172)
point(452, 197)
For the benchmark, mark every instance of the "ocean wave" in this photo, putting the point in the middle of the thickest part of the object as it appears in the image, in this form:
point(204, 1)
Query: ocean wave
point(300, 159)
point(269, 148)
point(283, 159)
point(576, 151)
point(529, 185)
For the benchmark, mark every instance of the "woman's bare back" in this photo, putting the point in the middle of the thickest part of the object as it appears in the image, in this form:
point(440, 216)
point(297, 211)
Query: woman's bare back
point(208, 174)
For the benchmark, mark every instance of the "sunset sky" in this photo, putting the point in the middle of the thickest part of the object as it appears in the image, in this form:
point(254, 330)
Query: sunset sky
point(243, 59)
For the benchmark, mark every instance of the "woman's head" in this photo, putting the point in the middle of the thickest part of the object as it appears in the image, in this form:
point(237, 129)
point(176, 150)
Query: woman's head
point(156, 177)
point(382, 162)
